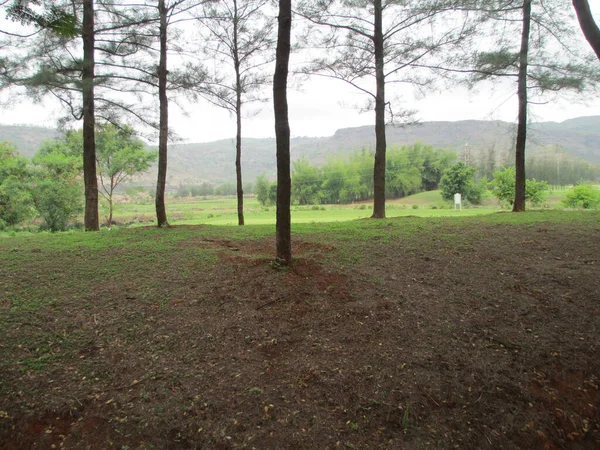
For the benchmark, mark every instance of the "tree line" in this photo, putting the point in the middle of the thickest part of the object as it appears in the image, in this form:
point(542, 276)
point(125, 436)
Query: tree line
point(410, 169)
point(86, 54)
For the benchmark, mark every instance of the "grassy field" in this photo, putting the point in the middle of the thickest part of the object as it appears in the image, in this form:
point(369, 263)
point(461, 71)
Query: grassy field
point(409, 332)
point(222, 210)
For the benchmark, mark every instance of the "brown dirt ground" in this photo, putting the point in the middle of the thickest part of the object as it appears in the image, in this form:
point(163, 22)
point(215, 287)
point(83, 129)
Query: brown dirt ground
point(486, 341)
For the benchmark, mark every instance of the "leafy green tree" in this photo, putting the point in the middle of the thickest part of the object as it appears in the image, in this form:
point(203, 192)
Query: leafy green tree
point(262, 190)
point(61, 158)
point(535, 191)
point(272, 195)
point(503, 187)
point(306, 183)
point(119, 156)
point(57, 189)
point(434, 163)
point(225, 189)
point(460, 179)
point(15, 197)
point(58, 201)
point(582, 196)
point(403, 172)
point(335, 174)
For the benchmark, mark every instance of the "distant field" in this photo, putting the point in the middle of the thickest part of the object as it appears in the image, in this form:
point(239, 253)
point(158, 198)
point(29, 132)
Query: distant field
point(222, 210)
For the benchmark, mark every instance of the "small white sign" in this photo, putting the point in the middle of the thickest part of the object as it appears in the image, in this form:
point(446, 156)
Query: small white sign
point(457, 201)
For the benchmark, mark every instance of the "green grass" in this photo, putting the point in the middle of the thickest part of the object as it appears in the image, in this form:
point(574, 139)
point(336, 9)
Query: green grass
point(422, 198)
point(223, 211)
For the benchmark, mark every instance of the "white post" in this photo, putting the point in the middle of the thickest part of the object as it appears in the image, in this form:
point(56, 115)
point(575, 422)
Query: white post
point(457, 201)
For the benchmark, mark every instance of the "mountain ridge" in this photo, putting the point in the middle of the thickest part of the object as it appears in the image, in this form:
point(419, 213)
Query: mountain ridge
point(193, 163)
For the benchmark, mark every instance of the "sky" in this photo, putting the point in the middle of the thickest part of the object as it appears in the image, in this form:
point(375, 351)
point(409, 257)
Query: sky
point(323, 106)
point(320, 106)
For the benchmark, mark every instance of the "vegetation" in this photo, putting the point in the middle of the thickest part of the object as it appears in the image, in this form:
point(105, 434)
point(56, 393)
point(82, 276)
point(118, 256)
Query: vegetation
point(503, 187)
point(51, 183)
point(371, 54)
point(460, 179)
point(409, 169)
point(15, 195)
point(582, 196)
point(120, 155)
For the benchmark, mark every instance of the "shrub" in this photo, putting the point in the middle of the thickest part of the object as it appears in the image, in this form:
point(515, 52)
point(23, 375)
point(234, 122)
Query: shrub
point(503, 187)
point(57, 202)
point(582, 196)
point(460, 178)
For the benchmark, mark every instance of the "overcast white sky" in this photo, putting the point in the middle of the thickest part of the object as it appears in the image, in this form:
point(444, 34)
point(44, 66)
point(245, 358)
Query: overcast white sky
point(323, 106)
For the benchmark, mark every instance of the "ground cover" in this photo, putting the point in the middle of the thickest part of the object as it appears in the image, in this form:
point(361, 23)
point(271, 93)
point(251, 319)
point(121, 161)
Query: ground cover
point(223, 210)
point(410, 332)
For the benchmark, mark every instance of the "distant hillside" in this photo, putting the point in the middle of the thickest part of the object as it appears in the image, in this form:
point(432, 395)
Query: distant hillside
point(26, 138)
point(214, 161)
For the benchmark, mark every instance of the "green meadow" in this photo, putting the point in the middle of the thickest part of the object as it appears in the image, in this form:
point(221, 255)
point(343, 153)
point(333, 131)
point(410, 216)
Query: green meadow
point(223, 210)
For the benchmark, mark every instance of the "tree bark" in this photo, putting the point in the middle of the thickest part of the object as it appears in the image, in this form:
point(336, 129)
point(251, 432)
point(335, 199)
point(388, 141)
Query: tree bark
point(282, 133)
point(588, 25)
point(110, 210)
point(238, 117)
point(380, 138)
point(91, 221)
point(163, 133)
point(519, 203)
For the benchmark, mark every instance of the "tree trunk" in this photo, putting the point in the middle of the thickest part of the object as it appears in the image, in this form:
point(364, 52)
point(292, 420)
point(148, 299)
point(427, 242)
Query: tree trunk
point(163, 133)
point(238, 116)
point(282, 134)
point(519, 204)
point(588, 25)
point(380, 140)
point(111, 191)
point(110, 211)
point(91, 220)
point(238, 160)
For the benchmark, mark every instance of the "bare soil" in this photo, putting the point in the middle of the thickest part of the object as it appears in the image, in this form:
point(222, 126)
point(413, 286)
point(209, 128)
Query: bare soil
point(473, 336)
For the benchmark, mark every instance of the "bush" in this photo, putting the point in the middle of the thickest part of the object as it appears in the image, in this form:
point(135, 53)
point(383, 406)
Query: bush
point(57, 203)
point(15, 201)
point(503, 187)
point(460, 178)
point(582, 196)
point(15, 176)
point(535, 191)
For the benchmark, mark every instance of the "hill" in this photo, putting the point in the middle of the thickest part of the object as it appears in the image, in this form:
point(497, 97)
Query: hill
point(214, 161)
point(26, 138)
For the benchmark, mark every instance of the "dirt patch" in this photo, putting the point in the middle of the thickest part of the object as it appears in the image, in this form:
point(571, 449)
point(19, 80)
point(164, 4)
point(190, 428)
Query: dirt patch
point(481, 336)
